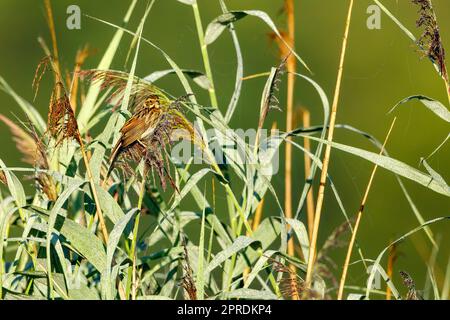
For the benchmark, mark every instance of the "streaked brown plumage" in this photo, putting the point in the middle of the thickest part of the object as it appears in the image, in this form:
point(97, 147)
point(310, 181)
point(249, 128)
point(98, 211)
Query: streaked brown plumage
point(138, 127)
point(156, 123)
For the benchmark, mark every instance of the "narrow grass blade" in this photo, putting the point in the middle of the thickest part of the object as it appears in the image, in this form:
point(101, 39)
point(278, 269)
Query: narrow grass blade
point(27, 108)
point(302, 236)
point(239, 244)
point(89, 106)
point(108, 281)
point(376, 264)
point(197, 76)
point(394, 166)
point(51, 224)
point(435, 106)
point(201, 261)
point(239, 70)
point(218, 25)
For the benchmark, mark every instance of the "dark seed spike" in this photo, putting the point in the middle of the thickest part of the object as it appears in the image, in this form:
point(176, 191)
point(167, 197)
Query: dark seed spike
point(430, 41)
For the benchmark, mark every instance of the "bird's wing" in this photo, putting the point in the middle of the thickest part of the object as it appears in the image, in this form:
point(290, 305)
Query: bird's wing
point(132, 131)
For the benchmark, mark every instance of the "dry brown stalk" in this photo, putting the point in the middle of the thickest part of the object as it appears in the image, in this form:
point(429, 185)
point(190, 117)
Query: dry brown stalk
point(291, 65)
point(304, 115)
point(392, 257)
point(81, 57)
point(51, 26)
point(326, 158)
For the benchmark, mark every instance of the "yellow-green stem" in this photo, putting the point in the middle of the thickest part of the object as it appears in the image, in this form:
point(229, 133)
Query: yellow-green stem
point(358, 220)
point(131, 280)
point(203, 46)
point(211, 90)
point(326, 158)
point(95, 195)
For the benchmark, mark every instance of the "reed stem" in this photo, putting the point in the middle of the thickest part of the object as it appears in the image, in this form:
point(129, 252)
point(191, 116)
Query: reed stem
point(326, 159)
point(99, 212)
point(204, 49)
point(132, 279)
point(358, 219)
point(292, 68)
point(306, 123)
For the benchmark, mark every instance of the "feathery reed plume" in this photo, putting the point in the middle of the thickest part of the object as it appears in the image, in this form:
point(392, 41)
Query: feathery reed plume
point(326, 157)
point(409, 283)
point(24, 142)
point(359, 217)
point(155, 125)
point(430, 41)
point(62, 126)
point(325, 264)
point(334, 240)
point(42, 67)
point(272, 101)
point(33, 152)
point(61, 122)
point(392, 258)
point(141, 90)
point(187, 282)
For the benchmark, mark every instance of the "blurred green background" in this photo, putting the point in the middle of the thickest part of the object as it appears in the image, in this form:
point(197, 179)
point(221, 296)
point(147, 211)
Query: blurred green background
point(382, 67)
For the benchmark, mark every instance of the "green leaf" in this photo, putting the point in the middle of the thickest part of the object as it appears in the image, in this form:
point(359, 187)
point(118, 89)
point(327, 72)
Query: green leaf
point(4, 220)
point(51, 224)
point(190, 184)
point(108, 205)
point(188, 2)
point(83, 293)
point(239, 244)
point(392, 165)
point(218, 25)
point(154, 298)
point(85, 242)
point(26, 107)
point(435, 106)
point(302, 236)
point(259, 265)
point(197, 76)
point(434, 174)
point(326, 116)
point(108, 282)
point(267, 233)
point(201, 260)
point(14, 186)
point(379, 145)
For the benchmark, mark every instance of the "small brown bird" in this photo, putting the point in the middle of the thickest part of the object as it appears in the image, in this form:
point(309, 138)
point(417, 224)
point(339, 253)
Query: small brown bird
point(139, 127)
point(157, 122)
